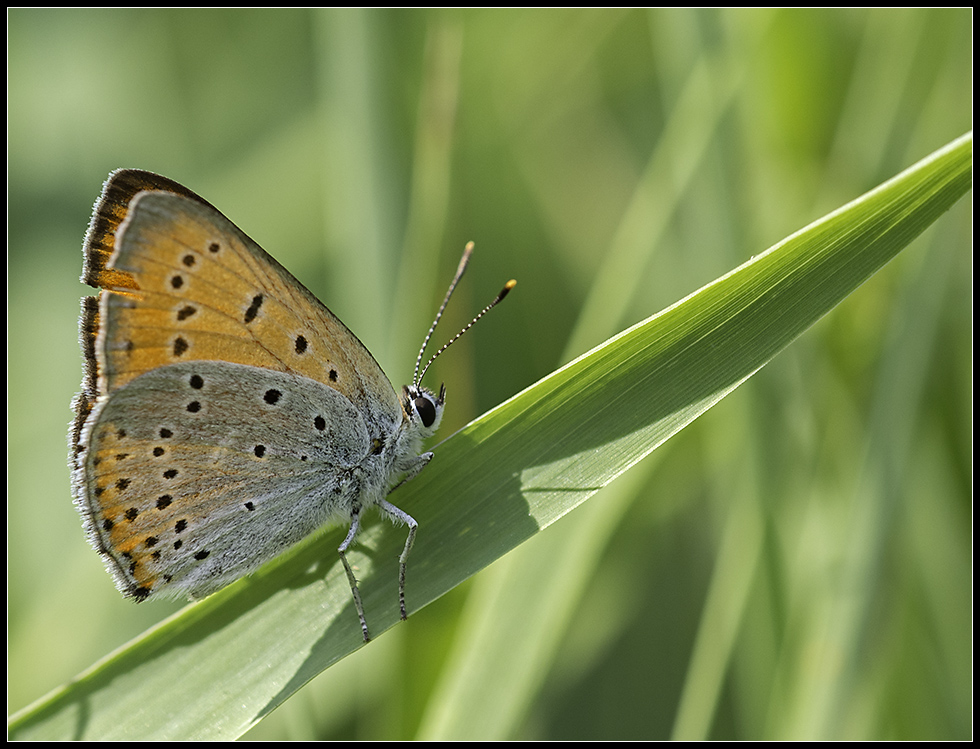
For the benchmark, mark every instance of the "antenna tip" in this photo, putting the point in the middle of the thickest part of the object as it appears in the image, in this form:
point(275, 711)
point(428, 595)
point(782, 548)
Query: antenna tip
point(506, 290)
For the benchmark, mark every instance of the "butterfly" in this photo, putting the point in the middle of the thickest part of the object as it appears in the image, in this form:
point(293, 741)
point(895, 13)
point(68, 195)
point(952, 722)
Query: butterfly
point(225, 413)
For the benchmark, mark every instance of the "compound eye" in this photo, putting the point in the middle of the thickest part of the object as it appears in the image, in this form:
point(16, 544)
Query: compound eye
point(426, 411)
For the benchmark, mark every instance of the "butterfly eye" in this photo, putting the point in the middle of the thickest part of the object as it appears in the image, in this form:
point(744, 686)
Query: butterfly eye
point(426, 410)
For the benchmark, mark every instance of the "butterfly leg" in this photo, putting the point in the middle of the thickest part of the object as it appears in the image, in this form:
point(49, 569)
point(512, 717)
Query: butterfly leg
point(400, 516)
point(355, 526)
point(411, 471)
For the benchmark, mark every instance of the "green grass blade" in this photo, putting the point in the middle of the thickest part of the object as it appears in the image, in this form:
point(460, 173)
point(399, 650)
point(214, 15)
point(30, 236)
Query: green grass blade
point(218, 667)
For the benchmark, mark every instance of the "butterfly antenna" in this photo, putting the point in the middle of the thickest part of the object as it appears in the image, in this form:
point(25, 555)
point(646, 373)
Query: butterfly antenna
point(464, 261)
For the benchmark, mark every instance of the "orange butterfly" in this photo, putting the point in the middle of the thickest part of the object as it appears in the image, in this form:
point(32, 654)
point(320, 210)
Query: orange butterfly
point(225, 412)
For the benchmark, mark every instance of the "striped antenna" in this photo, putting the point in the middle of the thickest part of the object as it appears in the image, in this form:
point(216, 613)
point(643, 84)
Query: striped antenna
point(464, 261)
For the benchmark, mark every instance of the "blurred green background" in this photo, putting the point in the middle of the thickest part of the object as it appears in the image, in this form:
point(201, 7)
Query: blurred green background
point(828, 501)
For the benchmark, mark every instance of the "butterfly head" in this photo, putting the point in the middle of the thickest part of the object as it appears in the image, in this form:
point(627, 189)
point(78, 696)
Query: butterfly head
point(423, 408)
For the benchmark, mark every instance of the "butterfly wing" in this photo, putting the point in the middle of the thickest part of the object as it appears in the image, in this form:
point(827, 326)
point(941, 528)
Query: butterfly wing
point(186, 294)
point(186, 284)
point(199, 472)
